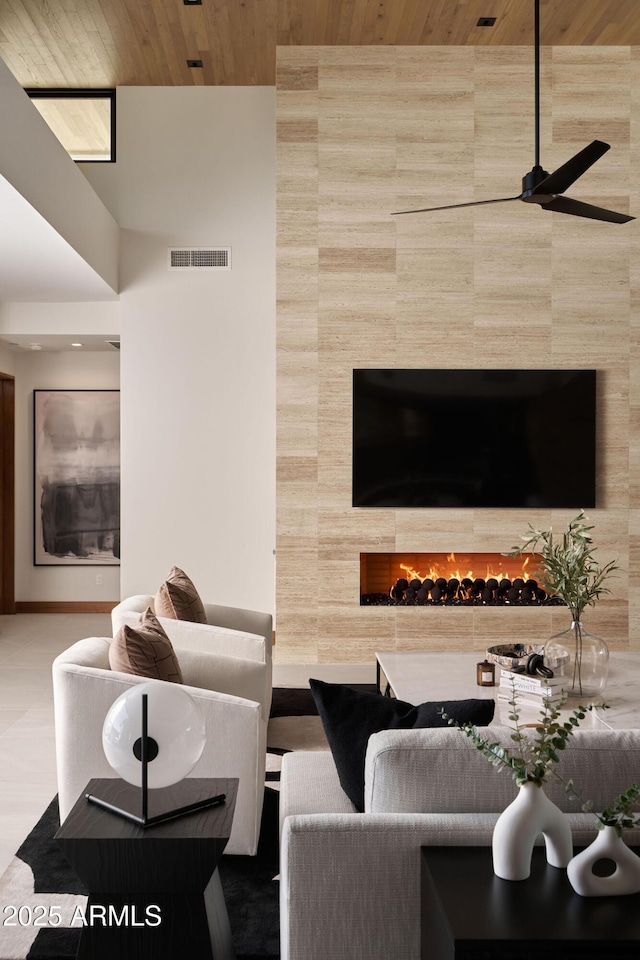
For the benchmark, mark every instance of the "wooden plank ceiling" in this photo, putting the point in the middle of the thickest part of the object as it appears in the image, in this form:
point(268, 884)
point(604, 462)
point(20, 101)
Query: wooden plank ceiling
point(106, 43)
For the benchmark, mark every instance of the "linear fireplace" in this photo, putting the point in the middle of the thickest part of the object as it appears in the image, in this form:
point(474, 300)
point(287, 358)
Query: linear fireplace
point(451, 579)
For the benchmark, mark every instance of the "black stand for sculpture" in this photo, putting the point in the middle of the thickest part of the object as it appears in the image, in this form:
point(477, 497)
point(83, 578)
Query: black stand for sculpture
point(153, 894)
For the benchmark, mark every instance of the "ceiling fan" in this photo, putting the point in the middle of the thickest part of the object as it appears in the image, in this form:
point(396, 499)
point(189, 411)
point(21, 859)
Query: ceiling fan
point(544, 188)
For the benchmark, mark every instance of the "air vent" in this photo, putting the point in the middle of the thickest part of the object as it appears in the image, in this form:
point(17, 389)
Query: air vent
point(201, 258)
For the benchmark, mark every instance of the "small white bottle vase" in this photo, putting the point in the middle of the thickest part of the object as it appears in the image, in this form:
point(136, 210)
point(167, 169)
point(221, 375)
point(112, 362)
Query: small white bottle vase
point(608, 845)
point(518, 827)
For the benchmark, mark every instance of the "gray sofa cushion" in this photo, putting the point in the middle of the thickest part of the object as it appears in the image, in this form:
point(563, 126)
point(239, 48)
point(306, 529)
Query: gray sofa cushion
point(440, 771)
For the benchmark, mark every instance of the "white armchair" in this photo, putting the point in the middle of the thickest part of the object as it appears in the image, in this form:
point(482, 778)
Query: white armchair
point(229, 690)
point(231, 631)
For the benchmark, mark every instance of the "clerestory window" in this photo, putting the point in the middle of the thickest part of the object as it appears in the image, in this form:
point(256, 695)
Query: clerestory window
point(84, 121)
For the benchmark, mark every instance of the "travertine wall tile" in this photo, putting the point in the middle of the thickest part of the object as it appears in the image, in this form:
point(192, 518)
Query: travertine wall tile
point(364, 132)
point(433, 531)
point(533, 623)
point(432, 330)
point(445, 630)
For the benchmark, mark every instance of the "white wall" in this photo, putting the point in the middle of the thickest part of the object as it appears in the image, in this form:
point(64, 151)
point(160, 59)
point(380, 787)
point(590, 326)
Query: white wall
point(73, 320)
point(196, 166)
point(36, 165)
point(54, 371)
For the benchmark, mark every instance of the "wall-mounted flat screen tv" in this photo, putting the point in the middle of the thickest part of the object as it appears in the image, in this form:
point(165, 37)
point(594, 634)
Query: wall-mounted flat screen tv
point(474, 438)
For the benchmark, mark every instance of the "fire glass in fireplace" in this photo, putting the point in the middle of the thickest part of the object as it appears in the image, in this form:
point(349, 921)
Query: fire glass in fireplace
point(425, 579)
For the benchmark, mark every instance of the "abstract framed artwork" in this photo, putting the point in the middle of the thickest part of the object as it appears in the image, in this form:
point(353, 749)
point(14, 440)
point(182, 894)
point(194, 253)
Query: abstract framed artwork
point(76, 477)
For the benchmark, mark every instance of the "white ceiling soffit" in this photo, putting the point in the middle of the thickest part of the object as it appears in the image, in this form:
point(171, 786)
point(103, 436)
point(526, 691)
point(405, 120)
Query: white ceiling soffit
point(36, 263)
point(59, 342)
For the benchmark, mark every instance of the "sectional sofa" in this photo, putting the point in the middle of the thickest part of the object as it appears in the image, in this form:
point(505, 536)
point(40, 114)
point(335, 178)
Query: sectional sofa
point(350, 883)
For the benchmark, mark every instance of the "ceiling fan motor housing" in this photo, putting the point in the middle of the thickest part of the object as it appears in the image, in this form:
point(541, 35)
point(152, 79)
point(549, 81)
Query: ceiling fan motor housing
point(530, 181)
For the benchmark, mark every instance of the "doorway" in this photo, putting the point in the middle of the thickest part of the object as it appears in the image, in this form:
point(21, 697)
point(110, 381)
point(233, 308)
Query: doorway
point(7, 494)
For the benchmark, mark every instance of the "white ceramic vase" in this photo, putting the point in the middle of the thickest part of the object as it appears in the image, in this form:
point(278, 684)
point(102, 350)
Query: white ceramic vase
point(608, 845)
point(518, 827)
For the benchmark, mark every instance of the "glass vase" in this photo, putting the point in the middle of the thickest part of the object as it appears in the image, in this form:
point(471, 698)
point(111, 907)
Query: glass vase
point(581, 658)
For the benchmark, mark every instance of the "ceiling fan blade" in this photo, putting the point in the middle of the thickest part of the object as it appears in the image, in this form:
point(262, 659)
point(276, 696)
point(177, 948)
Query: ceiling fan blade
point(562, 178)
point(454, 206)
point(579, 209)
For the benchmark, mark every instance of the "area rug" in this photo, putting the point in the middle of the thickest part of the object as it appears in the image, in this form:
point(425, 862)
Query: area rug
point(294, 724)
point(40, 876)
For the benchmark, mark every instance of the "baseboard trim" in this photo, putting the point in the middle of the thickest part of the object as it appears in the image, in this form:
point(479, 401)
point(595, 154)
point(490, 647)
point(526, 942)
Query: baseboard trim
point(65, 606)
point(73, 606)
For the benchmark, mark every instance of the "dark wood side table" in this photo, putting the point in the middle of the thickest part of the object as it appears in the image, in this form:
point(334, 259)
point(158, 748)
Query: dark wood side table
point(170, 867)
point(467, 913)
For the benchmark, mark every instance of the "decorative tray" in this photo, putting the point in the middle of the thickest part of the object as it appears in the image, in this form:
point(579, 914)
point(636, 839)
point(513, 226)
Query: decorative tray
point(513, 656)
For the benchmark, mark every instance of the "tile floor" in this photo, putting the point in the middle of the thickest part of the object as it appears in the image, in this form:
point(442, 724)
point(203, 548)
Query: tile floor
point(28, 645)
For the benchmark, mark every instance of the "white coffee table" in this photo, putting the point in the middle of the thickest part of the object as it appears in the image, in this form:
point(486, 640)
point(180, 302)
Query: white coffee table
point(418, 677)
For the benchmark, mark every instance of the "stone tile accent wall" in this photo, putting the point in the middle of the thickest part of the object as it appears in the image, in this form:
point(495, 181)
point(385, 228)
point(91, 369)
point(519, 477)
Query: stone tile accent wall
point(364, 131)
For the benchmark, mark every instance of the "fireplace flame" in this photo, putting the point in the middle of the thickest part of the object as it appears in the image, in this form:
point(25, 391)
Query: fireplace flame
point(452, 578)
point(512, 567)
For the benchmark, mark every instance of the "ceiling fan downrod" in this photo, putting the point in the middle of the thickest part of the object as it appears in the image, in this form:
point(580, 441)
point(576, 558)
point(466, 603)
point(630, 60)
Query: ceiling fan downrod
point(536, 31)
point(531, 180)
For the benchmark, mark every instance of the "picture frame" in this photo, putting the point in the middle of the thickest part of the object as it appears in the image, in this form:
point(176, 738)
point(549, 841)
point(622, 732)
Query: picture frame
point(76, 466)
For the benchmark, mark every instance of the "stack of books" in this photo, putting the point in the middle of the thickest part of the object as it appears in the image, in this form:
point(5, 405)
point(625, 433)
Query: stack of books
point(530, 691)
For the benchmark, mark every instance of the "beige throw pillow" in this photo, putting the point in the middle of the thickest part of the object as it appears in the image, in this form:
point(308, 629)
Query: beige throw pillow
point(178, 599)
point(145, 651)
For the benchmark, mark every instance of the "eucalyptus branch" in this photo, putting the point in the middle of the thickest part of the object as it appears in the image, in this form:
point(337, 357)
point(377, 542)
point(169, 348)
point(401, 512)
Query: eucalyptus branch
point(618, 815)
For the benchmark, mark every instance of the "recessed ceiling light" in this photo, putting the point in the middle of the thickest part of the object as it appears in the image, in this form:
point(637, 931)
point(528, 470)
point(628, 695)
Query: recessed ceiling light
point(35, 346)
point(76, 344)
point(194, 63)
point(486, 22)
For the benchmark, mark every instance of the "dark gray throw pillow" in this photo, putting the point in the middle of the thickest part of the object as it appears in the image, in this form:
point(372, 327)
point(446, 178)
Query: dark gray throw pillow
point(349, 717)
